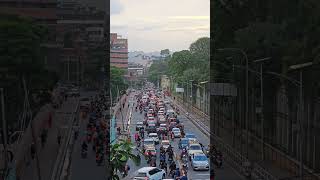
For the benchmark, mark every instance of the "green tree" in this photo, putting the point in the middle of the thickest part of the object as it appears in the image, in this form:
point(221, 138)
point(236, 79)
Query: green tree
point(117, 80)
point(21, 56)
point(120, 153)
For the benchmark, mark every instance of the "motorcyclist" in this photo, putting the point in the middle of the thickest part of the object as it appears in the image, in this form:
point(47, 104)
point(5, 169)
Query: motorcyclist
point(183, 152)
point(177, 173)
point(84, 146)
point(138, 141)
point(172, 167)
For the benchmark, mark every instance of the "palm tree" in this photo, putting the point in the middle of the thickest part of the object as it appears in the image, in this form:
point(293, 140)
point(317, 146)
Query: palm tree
point(120, 153)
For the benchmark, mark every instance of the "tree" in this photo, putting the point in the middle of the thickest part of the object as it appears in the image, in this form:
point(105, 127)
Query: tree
point(157, 69)
point(165, 52)
point(117, 80)
point(21, 56)
point(120, 153)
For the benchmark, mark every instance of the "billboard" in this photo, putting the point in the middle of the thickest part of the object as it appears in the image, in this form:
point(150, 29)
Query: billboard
point(223, 89)
point(180, 90)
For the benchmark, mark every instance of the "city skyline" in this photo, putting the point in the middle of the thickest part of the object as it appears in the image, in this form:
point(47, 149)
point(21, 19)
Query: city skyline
point(151, 25)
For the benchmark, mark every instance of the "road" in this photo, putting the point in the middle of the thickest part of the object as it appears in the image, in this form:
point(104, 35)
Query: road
point(226, 172)
point(84, 169)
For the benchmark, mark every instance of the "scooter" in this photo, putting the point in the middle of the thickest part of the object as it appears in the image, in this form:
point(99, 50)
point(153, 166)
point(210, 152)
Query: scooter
point(184, 158)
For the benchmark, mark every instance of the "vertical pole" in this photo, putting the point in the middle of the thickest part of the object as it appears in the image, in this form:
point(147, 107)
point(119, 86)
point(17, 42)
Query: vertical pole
point(301, 127)
point(191, 97)
point(262, 115)
point(4, 128)
point(247, 107)
point(69, 69)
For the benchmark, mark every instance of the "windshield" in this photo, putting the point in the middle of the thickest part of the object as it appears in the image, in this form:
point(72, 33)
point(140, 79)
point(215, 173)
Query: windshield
point(184, 141)
point(177, 130)
point(148, 142)
point(200, 158)
point(153, 135)
point(195, 148)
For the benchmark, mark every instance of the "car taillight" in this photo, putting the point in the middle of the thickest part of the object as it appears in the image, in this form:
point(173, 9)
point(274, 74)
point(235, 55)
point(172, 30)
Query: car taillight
point(146, 178)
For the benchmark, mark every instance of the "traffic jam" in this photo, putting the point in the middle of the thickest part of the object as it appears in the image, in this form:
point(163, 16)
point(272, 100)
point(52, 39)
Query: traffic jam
point(169, 150)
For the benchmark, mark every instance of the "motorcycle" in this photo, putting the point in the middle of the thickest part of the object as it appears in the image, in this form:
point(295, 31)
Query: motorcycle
point(84, 153)
point(184, 158)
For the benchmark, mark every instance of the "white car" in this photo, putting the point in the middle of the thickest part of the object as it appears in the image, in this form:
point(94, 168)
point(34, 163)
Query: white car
point(176, 132)
point(166, 101)
point(155, 137)
point(150, 173)
point(194, 149)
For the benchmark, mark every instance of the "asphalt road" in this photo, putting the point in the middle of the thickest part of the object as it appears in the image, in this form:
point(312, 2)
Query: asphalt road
point(85, 169)
point(224, 173)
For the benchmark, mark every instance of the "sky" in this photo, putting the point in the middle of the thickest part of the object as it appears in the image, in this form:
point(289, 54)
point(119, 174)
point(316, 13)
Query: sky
point(153, 25)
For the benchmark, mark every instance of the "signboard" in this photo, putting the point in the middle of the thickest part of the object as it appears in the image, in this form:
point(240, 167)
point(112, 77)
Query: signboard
point(223, 89)
point(180, 90)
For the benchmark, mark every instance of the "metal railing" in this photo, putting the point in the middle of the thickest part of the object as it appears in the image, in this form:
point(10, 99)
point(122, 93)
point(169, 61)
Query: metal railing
point(232, 157)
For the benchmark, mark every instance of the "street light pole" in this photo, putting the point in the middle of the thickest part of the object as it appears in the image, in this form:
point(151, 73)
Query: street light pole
point(247, 94)
point(262, 105)
point(4, 128)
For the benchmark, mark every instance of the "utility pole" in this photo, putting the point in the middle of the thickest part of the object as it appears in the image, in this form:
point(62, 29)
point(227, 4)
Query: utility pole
point(69, 69)
point(4, 128)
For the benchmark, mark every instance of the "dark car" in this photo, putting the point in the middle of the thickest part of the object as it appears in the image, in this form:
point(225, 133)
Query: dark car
point(190, 135)
point(184, 142)
point(151, 128)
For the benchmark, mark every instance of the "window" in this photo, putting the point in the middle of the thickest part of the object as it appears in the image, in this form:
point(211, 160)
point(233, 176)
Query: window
point(154, 171)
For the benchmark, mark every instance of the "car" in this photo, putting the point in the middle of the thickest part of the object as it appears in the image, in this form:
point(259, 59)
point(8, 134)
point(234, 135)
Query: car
point(162, 120)
point(190, 135)
point(172, 125)
point(155, 137)
point(74, 92)
point(193, 149)
point(84, 103)
point(200, 162)
point(183, 143)
point(139, 126)
point(151, 128)
point(193, 141)
point(148, 142)
point(176, 132)
point(165, 144)
point(151, 150)
point(166, 101)
point(170, 112)
point(152, 173)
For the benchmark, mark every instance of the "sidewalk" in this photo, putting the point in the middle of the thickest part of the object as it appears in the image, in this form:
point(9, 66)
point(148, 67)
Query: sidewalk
point(48, 154)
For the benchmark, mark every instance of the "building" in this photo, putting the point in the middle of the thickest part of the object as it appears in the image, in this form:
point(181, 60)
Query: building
point(118, 51)
point(81, 31)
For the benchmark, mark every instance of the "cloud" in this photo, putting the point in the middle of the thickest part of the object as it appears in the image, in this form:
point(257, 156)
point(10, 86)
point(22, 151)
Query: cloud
point(118, 27)
point(192, 28)
point(189, 17)
point(116, 7)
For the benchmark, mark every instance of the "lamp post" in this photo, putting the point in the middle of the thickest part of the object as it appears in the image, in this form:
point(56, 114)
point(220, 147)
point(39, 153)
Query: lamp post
point(247, 90)
point(261, 101)
point(201, 100)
